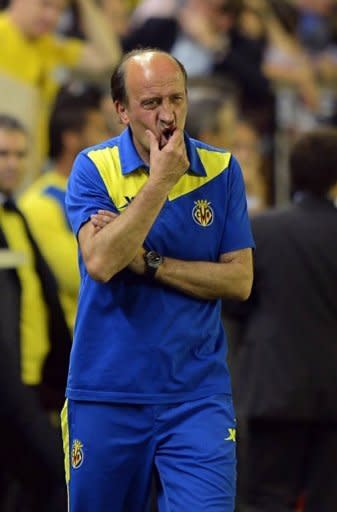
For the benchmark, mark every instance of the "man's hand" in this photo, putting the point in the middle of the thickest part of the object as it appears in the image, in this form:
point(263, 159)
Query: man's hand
point(102, 218)
point(169, 163)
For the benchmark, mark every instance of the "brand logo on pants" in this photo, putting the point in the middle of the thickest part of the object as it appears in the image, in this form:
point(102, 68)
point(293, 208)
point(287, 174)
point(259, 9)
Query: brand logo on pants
point(77, 454)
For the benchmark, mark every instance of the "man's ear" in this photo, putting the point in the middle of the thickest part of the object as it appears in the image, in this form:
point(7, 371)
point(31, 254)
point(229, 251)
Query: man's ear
point(122, 112)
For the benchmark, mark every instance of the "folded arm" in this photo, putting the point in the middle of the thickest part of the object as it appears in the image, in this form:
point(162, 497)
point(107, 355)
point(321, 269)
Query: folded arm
point(230, 278)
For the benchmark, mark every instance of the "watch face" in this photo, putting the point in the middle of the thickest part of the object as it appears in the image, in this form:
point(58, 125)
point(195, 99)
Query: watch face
point(154, 259)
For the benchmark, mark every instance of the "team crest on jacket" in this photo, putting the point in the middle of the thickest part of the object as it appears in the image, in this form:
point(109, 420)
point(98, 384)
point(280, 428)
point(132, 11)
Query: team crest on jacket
point(203, 213)
point(77, 454)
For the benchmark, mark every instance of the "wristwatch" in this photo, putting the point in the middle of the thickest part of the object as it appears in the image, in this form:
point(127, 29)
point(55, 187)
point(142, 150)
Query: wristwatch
point(153, 260)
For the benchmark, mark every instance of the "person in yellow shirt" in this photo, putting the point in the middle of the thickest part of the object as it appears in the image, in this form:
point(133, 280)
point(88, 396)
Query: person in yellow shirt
point(34, 347)
point(34, 58)
point(76, 122)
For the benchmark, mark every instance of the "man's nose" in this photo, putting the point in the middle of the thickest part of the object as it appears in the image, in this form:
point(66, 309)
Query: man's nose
point(167, 113)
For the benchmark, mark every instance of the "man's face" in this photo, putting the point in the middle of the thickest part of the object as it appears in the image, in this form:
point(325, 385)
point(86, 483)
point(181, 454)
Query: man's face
point(41, 16)
point(13, 152)
point(157, 99)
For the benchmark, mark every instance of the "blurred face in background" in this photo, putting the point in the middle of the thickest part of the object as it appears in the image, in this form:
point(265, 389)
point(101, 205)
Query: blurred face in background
point(37, 17)
point(115, 127)
point(226, 120)
point(13, 153)
point(95, 129)
point(246, 146)
point(251, 24)
point(219, 14)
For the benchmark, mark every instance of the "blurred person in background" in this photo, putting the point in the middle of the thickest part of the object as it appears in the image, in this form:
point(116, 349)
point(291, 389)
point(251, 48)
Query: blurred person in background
point(117, 15)
point(305, 73)
point(203, 35)
point(317, 31)
point(212, 112)
point(316, 25)
point(35, 345)
point(214, 118)
point(35, 59)
point(285, 59)
point(284, 371)
point(247, 145)
point(76, 122)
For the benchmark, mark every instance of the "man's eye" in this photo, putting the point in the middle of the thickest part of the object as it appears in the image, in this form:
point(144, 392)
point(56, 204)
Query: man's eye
point(150, 103)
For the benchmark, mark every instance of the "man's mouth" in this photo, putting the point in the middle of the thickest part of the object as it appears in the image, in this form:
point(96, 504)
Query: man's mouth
point(165, 136)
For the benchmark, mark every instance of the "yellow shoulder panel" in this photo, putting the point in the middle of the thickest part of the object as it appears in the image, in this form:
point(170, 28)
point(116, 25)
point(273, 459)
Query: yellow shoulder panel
point(213, 161)
point(119, 186)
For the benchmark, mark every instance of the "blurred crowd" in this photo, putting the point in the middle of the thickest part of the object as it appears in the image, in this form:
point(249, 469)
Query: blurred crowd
point(261, 74)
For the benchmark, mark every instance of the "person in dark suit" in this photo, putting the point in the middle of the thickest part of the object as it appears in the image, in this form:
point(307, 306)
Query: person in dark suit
point(285, 364)
point(34, 350)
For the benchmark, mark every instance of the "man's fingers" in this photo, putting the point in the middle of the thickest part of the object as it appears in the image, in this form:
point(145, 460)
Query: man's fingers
point(101, 220)
point(152, 139)
point(107, 213)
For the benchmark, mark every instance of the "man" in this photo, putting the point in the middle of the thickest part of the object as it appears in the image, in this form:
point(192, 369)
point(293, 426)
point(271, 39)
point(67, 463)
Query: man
point(76, 122)
point(34, 60)
point(148, 385)
point(34, 343)
point(285, 369)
